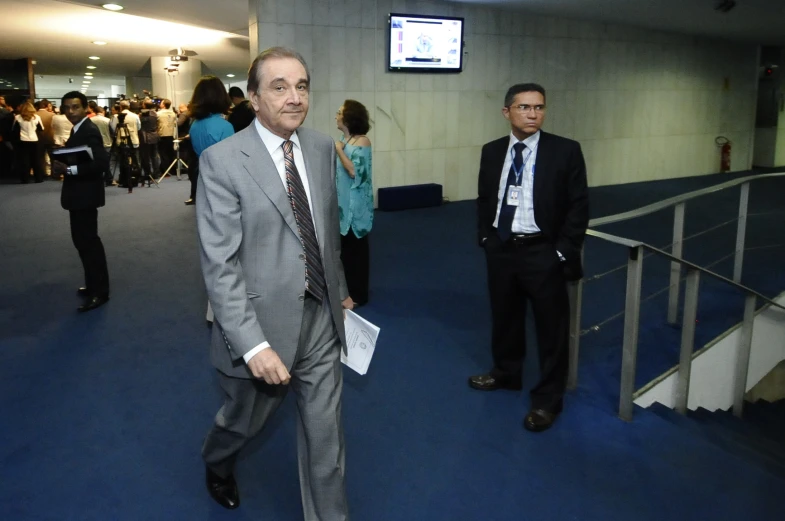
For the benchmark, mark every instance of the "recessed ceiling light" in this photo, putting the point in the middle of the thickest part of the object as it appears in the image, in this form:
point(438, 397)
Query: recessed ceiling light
point(99, 43)
point(16, 88)
point(88, 77)
point(112, 7)
point(230, 75)
point(94, 57)
point(91, 66)
point(88, 73)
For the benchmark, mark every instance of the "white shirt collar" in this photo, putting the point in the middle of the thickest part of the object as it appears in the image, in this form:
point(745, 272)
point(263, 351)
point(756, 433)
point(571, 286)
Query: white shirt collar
point(531, 142)
point(270, 140)
point(76, 127)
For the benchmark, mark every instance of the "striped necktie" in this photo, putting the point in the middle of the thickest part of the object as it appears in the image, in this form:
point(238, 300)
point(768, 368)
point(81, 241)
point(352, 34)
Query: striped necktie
point(314, 272)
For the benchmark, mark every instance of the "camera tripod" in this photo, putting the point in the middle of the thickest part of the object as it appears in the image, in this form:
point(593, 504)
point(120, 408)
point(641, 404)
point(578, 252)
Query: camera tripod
point(126, 157)
point(177, 161)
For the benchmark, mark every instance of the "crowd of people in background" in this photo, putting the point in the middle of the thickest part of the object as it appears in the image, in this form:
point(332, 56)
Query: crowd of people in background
point(150, 126)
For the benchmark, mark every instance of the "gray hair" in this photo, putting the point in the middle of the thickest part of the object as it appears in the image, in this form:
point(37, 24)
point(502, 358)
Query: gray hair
point(255, 71)
point(125, 104)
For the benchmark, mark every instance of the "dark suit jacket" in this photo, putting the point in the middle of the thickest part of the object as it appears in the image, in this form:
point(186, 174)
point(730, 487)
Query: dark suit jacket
point(86, 189)
point(561, 195)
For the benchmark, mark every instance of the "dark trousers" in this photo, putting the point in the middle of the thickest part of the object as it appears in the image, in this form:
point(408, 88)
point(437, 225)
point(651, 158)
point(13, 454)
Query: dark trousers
point(27, 157)
point(84, 233)
point(355, 257)
point(517, 273)
point(6, 159)
point(150, 159)
point(166, 152)
point(193, 174)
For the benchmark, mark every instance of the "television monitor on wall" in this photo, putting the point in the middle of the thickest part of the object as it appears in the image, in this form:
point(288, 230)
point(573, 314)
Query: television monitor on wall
point(420, 43)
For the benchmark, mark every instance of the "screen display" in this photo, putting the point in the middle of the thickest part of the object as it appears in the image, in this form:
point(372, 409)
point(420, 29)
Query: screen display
point(425, 43)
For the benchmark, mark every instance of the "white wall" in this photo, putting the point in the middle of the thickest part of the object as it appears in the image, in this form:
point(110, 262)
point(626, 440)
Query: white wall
point(645, 105)
point(713, 370)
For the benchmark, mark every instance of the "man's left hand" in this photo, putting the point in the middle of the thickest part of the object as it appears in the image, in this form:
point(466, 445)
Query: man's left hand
point(347, 303)
point(58, 168)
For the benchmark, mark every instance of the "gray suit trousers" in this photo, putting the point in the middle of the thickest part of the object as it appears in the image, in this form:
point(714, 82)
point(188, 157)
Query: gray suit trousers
point(317, 381)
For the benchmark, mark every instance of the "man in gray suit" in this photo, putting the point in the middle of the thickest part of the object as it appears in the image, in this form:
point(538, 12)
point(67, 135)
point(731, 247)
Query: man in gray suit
point(267, 215)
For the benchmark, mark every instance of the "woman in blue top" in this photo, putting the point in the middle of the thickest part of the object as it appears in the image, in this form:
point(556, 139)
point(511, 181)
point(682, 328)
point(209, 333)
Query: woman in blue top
point(355, 196)
point(208, 105)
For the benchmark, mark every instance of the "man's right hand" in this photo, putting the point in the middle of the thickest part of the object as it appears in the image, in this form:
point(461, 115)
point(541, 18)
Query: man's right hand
point(266, 365)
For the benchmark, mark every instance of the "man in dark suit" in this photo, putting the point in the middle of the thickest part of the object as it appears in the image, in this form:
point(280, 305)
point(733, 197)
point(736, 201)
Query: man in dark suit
point(532, 215)
point(82, 195)
point(267, 216)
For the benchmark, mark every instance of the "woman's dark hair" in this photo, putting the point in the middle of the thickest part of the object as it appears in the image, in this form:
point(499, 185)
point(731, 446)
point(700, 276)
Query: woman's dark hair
point(355, 117)
point(209, 97)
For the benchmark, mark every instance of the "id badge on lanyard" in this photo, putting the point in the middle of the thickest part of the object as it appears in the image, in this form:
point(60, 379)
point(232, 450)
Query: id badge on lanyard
point(515, 192)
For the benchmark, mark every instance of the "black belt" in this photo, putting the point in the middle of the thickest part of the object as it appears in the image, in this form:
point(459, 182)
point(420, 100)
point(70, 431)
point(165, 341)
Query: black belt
point(526, 238)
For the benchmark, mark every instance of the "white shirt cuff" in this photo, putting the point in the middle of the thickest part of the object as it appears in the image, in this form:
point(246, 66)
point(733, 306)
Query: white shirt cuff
point(561, 257)
point(74, 170)
point(256, 350)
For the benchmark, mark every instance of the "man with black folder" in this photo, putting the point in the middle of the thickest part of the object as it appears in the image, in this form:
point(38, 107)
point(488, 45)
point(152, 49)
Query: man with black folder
point(83, 194)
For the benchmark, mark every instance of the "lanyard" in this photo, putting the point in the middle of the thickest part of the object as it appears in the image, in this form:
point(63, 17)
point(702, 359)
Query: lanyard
point(519, 172)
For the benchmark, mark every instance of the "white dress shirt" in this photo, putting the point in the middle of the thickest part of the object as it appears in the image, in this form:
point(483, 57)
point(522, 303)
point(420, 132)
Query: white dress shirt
point(74, 170)
point(523, 221)
point(273, 145)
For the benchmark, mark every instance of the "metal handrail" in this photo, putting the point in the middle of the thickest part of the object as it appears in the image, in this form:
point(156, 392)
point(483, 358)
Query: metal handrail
point(694, 271)
point(673, 201)
point(630, 243)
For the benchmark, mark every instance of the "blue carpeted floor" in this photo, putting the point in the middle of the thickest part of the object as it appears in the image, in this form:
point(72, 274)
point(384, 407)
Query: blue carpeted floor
point(103, 414)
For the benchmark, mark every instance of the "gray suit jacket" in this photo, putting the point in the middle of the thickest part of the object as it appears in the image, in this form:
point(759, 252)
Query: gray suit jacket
point(252, 259)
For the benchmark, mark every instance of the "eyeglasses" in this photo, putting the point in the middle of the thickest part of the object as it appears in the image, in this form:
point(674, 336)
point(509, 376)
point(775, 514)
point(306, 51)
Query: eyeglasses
point(525, 109)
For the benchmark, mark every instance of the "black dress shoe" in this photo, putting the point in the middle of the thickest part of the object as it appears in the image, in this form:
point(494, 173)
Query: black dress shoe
point(223, 490)
point(486, 382)
point(82, 292)
point(538, 420)
point(94, 302)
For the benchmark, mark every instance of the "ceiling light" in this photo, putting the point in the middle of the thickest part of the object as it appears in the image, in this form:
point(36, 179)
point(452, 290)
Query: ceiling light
point(91, 66)
point(112, 7)
point(230, 75)
point(94, 57)
point(88, 73)
point(88, 77)
point(16, 88)
point(99, 43)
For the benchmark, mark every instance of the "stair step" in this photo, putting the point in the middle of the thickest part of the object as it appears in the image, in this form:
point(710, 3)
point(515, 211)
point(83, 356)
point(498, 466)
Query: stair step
point(740, 431)
point(768, 417)
point(769, 463)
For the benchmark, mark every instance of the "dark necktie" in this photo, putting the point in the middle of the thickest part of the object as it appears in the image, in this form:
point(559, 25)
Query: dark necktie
point(314, 272)
point(507, 212)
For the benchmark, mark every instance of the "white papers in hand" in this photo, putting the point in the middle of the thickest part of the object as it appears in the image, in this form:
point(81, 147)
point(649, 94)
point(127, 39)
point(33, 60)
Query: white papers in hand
point(83, 149)
point(361, 338)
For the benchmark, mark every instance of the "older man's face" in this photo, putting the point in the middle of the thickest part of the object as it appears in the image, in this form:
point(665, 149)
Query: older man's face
point(281, 102)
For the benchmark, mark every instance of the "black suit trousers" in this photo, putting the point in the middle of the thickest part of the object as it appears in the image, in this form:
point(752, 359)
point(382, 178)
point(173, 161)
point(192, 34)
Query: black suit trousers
point(517, 273)
point(84, 233)
point(355, 257)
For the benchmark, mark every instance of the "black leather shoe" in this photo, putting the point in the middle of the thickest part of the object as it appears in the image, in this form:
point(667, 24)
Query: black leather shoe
point(94, 302)
point(223, 490)
point(539, 420)
point(82, 292)
point(486, 382)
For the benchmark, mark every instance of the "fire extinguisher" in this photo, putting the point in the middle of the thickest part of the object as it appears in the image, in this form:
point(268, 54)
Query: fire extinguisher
point(724, 145)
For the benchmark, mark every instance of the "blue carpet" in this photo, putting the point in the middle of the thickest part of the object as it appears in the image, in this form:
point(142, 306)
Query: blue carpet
point(103, 414)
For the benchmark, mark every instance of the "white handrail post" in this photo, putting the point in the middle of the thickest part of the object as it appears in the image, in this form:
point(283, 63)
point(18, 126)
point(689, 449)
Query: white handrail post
point(687, 340)
point(743, 355)
point(632, 308)
point(676, 251)
point(741, 231)
point(575, 293)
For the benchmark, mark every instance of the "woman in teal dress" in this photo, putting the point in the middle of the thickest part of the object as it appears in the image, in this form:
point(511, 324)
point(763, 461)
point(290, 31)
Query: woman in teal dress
point(355, 196)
